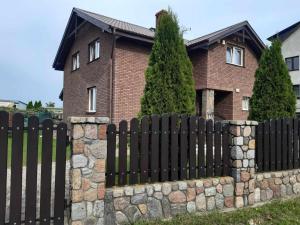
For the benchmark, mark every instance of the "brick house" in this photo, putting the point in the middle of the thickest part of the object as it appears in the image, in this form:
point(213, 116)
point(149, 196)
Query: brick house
point(104, 61)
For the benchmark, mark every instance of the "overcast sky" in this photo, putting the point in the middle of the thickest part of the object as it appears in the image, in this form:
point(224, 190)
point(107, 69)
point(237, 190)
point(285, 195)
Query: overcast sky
point(31, 31)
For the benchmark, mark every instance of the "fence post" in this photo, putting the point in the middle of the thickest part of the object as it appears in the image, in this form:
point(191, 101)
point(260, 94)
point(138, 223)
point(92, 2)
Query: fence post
point(242, 151)
point(88, 136)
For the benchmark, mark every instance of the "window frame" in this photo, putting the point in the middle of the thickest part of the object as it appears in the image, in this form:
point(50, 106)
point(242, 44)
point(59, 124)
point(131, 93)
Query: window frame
point(92, 106)
point(294, 89)
point(75, 55)
point(93, 45)
point(237, 48)
point(248, 103)
point(292, 63)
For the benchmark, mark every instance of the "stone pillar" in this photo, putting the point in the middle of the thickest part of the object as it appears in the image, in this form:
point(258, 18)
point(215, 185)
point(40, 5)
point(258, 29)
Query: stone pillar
point(242, 150)
point(88, 169)
point(208, 103)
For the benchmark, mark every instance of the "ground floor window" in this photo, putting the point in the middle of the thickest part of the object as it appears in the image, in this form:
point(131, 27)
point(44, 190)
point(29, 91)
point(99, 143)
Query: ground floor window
point(92, 99)
point(245, 103)
point(297, 90)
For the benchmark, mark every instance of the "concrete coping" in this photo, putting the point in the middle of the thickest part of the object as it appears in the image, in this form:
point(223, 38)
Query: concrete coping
point(89, 120)
point(241, 122)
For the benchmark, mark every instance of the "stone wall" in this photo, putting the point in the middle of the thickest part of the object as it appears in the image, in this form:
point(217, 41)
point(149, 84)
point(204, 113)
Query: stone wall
point(276, 184)
point(92, 203)
point(242, 150)
point(88, 170)
point(127, 204)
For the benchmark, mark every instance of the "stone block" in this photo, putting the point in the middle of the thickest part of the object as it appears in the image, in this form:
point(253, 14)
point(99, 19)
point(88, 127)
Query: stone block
point(78, 211)
point(201, 202)
point(190, 194)
point(91, 131)
point(251, 144)
point(236, 152)
point(210, 191)
point(247, 131)
point(239, 202)
point(78, 131)
point(229, 202)
point(76, 179)
point(166, 188)
point(177, 197)
point(191, 207)
point(79, 161)
point(228, 190)
point(121, 203)
point(211, 203)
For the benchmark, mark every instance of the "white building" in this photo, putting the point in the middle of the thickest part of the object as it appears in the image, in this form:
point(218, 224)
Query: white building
point(13, 104)
point(290, 38)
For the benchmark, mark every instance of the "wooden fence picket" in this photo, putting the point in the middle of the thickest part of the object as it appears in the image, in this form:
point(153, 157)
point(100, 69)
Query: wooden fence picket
point(201, 148)
point(122, 153)
point(174, 147)
point(154, 148)
point(192, 147)
point(111, 155)
point(3, 163)
point(183, 147)
point(16, 169)
point(134, 150)
point(144, 159)
point(164, 148)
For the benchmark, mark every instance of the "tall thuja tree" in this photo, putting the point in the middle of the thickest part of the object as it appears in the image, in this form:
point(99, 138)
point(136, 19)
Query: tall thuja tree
point(169, 78)
point(273, 95)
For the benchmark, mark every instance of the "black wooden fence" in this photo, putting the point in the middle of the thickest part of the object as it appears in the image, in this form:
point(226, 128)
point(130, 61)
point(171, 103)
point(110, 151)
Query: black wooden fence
point(277, 145)
point(16, 133)
point(166, 148)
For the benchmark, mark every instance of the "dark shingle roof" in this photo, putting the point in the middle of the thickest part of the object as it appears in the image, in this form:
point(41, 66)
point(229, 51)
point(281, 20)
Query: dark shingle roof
point(285, 33)
point(118, 24)
point(137, 32)
point(214, 36)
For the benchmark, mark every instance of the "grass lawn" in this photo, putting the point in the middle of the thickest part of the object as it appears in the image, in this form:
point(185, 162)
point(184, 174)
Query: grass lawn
point(39, 149)
point(277, 212)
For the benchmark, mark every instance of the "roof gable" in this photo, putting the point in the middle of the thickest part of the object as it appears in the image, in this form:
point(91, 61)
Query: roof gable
point(285, 33)
point(106, 24)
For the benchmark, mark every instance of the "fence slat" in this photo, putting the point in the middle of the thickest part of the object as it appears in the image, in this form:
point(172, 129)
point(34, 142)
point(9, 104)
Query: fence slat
point(217, 158)
point(201, 144)
point(183, 147)
point(46, 170)
point(16, 169)
point(278, 144)
point(296, 143)
point(209, 148)
point(225, 150)
point(134, 150)
point(155, 148)
point(60, 173)
point(174, 147)
point(164, 158)
point(144, 149)
point(259, 146)
point(3, 163)
point(284, 149)
point(192, 147)
point(111, 155)
point(122, 152)
point(31, 169)
point(272, 145)
point(290, 143)
point(266, 146)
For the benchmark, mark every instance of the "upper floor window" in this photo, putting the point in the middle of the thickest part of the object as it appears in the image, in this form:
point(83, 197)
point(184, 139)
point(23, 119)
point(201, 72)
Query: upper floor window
point(92, 92)
point(234, 55)
point(292, 63)
point(75, 61)
point(94, 50)
point(297, 90)
point(245, 103)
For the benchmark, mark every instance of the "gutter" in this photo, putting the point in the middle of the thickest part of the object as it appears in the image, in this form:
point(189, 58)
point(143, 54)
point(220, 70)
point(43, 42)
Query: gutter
point(112, 76)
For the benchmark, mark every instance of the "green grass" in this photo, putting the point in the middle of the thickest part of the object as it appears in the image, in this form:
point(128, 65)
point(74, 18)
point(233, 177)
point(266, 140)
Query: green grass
point(39, 149)
point(278, 212)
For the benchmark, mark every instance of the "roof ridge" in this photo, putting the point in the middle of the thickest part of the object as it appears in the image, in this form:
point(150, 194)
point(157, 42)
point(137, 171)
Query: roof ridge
point(222, 29)
point(113, 18)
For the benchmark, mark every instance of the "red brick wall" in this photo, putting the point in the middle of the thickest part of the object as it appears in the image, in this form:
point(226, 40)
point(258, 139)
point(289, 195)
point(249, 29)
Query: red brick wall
point(223, 76)
point(226, 77)
point(96, 73)
point(199, 60)
point(131, 61)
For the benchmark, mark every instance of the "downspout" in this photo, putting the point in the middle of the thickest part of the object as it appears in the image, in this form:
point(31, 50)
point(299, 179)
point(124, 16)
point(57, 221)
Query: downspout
point(112, 76)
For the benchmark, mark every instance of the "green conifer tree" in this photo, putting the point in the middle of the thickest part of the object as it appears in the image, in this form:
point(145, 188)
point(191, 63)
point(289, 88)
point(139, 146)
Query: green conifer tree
point(273, 96)
point(169, 77)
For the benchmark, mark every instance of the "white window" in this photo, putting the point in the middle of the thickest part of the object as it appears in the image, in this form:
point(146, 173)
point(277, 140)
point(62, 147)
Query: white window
point(94, 50)
point(234, 55)
point(92, 99)
point(75, 61)
point(245, 103)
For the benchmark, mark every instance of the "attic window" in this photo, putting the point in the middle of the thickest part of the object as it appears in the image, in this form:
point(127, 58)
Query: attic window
point(75, 61)
point(94, 50)
point(234, 55)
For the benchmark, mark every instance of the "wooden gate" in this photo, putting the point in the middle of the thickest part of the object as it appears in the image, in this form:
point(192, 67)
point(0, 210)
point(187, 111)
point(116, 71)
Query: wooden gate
point(35, 147)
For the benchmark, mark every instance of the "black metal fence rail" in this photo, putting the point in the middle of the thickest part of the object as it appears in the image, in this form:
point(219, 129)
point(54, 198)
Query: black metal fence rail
point(17, 148)
point(166, 148)
point(277, 146)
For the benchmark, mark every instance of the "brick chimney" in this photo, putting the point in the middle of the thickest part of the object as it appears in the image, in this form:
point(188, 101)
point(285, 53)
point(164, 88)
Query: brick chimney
point(159, 14)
